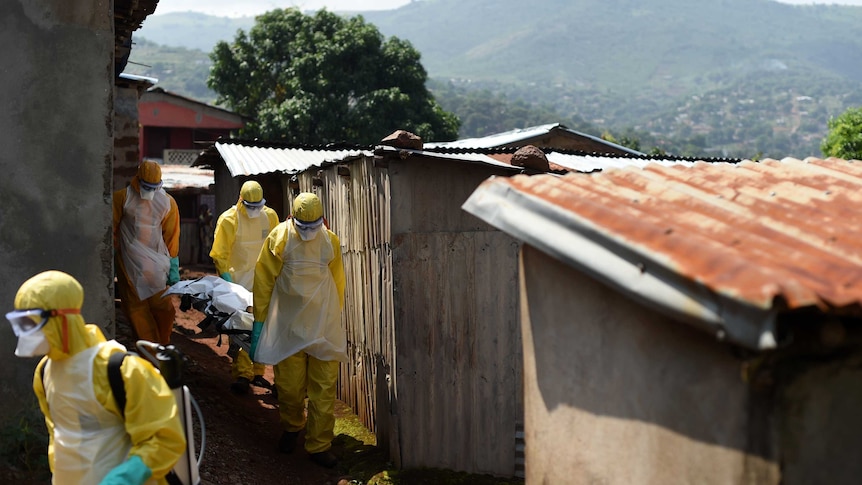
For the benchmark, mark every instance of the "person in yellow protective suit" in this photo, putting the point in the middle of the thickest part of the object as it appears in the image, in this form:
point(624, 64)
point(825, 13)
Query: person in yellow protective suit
point(298, 297)
point(239, 235)
point(146, 247)
point(91, 440)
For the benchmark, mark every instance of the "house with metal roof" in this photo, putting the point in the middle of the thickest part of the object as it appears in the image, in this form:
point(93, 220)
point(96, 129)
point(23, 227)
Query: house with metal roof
point(174, 128)
point(695, 324)
point(431, 305)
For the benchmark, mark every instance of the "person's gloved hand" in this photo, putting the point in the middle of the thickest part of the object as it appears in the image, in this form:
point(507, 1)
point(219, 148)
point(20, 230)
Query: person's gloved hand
point(174, 272)
point(256, 328)
point(226, 276)
point(130, 472)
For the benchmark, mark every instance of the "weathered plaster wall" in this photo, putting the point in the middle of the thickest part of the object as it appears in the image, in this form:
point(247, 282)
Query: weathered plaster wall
point(616, 393)
point(56, 136)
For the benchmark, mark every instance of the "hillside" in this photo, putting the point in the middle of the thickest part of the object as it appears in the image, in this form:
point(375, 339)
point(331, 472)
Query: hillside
point(721, 77)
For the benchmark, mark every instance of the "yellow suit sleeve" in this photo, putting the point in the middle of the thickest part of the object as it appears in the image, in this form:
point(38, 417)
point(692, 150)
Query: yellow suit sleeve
point(336, 267)
point(151, 414)
point(171, 229)
point(223, 239)
point(39, 390)
point(267, 269)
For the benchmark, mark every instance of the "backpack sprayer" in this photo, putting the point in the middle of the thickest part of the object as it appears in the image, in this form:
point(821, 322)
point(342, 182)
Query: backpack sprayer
point(171, 363)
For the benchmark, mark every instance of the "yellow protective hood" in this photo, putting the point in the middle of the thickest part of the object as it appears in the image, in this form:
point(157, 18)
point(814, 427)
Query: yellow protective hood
point(150, 172)
point(251, 191)
point(67, 333)
point(307, 207)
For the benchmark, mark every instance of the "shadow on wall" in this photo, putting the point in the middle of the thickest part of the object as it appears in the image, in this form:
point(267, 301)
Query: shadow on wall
point(598, 351)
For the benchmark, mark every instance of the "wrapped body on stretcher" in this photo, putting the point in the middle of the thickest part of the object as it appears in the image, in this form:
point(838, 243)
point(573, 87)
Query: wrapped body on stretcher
point(225, 305)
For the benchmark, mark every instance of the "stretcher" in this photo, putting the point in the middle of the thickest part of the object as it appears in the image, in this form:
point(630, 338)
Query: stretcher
point(226, 307)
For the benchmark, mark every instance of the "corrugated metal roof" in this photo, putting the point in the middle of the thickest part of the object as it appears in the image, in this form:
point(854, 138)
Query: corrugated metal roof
point(520, 134)
point(251, 157)
point(242, 159)
point(758, 237)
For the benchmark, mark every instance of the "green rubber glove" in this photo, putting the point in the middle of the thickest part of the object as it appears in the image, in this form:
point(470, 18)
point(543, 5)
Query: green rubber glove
point(174, 273)
point(226, 276)
point(256, 328)
point(130, 472)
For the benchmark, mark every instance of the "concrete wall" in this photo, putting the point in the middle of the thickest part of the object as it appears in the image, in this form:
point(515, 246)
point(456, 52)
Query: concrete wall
point(56, 137)
point(616, 393)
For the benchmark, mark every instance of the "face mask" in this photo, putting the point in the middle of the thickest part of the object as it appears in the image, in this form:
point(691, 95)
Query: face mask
point(148, 194)
point(33, 344)
point(307, 234)
point(253, 213)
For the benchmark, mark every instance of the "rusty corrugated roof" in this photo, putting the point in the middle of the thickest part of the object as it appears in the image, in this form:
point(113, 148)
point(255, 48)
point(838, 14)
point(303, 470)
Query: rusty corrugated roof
point(768, 236)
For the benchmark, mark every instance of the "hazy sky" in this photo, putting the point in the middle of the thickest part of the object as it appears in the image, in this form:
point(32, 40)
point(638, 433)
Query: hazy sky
point(242, 8)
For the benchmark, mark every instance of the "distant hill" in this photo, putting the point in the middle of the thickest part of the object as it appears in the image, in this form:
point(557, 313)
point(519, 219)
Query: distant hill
point(726, 77)
point(192, 30)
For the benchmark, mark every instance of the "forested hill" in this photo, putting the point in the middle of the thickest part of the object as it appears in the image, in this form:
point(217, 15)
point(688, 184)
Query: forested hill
point(626, 44)
point(723, 77)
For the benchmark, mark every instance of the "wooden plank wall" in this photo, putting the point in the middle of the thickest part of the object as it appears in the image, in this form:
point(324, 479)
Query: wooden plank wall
point(457, 339)
point(356, 206)
point(458, 351)
point(188, 241)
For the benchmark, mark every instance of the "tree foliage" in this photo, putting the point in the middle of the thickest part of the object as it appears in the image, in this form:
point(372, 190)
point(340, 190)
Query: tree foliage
point(844, 139)
point(324, 78)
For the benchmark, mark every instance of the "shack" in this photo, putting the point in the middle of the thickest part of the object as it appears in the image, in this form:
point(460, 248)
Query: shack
point(697, 324)
point(432, 298)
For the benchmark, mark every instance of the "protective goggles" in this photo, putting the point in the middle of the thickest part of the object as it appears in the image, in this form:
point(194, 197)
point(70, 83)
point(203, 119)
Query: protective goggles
point(308, 225)
point(25, 322)
point(254, 205)
point(149, 186)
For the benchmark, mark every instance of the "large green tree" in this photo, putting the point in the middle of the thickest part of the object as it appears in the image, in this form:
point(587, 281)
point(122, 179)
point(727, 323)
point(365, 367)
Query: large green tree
point(844, 139)
point(324, 78)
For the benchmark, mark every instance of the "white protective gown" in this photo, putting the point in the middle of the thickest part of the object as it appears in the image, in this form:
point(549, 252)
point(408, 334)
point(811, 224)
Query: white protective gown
point(142, 246)
point(89, 441)
point(250, 234)
point(305, 309)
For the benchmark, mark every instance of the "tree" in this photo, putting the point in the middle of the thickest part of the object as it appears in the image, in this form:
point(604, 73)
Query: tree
point(844, 139)
point(324, 78)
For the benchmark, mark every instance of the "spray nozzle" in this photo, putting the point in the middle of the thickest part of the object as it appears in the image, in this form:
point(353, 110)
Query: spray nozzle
point(168, 359)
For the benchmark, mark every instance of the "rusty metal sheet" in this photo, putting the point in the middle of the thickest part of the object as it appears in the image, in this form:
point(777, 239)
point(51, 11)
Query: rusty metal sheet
point(768, 234)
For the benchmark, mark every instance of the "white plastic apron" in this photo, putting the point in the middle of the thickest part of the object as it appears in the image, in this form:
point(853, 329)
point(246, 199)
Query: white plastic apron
point(250, 235)
point(89, 441)
point(305, 310)
point(142, 246)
